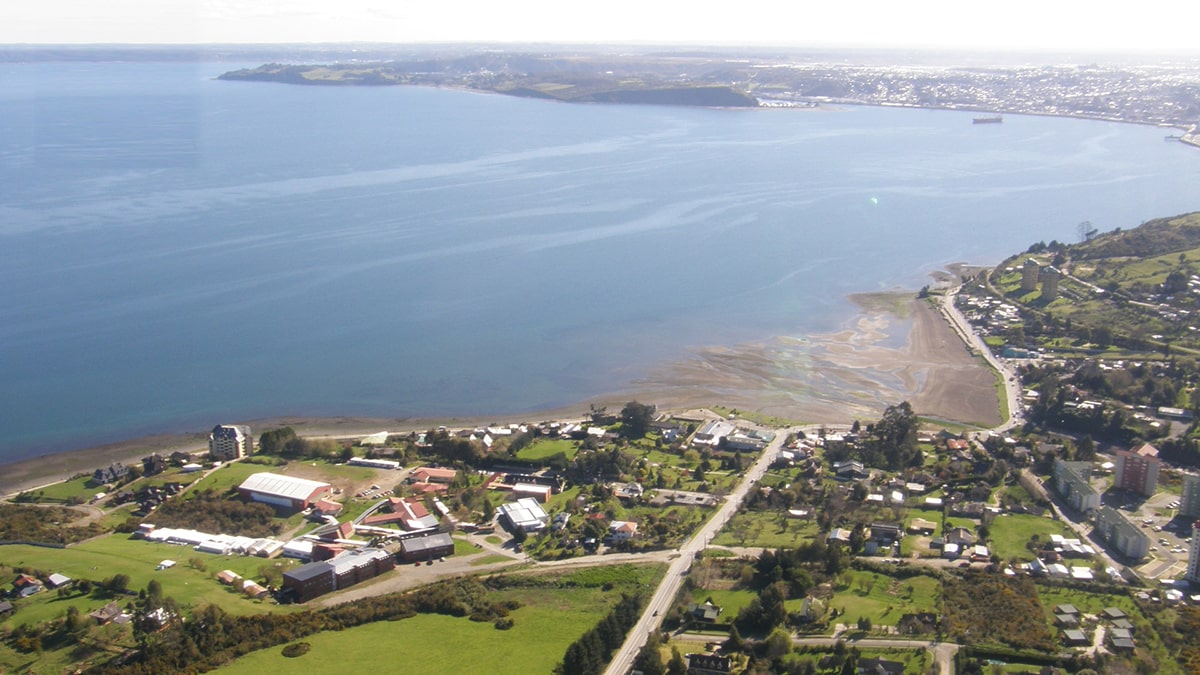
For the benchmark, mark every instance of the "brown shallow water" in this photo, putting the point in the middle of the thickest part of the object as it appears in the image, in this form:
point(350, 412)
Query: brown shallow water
point(838, 377)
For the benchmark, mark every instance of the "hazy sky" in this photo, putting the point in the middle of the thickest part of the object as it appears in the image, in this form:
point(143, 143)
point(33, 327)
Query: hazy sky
point(1016, 24)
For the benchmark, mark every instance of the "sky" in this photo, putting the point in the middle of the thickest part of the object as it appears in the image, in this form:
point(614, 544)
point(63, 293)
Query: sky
point(1047, 25)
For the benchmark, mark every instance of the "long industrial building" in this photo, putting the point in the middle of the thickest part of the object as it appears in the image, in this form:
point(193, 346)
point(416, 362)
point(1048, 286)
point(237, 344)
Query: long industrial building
point(283, 491)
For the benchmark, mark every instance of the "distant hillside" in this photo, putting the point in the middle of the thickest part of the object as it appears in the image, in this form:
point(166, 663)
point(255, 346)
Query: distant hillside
point(561, 80)
point(1122, 294)
point(1153, 238)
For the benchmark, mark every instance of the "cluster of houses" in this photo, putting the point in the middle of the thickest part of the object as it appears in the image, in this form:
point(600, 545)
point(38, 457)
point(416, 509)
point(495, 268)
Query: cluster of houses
point(152, 465)
point(149, 497)
point(249, 587)
point(992, 314)
point(25, 585)
point(1113, 621)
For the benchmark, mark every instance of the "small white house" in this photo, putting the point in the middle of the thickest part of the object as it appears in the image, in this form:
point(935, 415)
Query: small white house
point(622, 530)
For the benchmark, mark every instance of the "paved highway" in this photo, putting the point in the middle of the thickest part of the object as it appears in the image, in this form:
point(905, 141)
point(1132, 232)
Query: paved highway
point(664, 596)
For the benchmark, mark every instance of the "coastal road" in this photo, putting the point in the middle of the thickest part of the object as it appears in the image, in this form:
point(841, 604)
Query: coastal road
point(668, 588)
point(1012, 385)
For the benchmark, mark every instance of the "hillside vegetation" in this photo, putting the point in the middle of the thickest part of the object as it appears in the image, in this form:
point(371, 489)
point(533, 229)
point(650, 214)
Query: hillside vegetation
point(1153, 238)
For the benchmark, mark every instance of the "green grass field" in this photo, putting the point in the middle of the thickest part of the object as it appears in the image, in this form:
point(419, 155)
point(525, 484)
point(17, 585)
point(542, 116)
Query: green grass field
point(81, 489)
point(561, 500)
point(951, 523)
point(544, 626)
point(881, 599)
point(1086, 603)
point(730, 602)
point(765, 528)
point(660, 458)
point(1010, 532)
point(229, 476)
point(897, 308)
point(118, 554)
point(546, 448)
point(464, 547)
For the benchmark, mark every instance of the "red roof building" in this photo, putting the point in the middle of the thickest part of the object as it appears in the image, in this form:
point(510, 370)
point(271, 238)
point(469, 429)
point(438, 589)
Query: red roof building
point(428, 474)
point(25, 585)
point(327, 507)
point(1137, 469)
point(409, 514)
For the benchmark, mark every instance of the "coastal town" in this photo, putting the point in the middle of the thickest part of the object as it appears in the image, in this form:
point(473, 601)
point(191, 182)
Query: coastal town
point(711, 540)
point(1160, 92)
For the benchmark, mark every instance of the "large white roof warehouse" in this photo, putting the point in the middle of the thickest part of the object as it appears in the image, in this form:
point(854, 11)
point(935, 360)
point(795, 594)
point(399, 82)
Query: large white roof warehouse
point(286, 491)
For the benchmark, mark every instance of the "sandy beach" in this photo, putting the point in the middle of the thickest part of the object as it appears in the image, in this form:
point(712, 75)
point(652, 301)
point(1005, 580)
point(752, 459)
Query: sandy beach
point(898, 348)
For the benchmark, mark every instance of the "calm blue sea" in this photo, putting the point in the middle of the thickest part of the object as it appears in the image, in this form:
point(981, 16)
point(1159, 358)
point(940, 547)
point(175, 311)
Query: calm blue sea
point(176, 251)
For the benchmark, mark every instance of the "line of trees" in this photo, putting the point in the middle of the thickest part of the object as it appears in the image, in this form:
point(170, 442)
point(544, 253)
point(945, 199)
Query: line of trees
point(590, 653)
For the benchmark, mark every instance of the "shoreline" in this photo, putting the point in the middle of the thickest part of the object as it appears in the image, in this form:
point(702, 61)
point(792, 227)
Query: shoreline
point(1190, 135)
point(896, 348)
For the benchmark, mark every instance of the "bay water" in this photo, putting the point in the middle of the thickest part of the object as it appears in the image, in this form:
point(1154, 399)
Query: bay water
point(178, 251)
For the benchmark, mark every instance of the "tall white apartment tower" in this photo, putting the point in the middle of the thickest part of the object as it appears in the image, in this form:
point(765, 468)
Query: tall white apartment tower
point(1189, 499)
point(229, 442)
point(1193, 568)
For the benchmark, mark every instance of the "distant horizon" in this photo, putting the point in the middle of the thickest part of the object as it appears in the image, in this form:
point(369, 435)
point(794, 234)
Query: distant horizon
point(1017, 25)
point(991, 55)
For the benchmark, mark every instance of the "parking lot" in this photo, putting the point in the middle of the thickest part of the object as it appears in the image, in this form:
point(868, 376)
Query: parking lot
point(1170, 535)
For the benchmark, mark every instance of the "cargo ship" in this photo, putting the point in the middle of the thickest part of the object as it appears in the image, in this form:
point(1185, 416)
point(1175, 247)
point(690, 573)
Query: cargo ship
point(992, 119)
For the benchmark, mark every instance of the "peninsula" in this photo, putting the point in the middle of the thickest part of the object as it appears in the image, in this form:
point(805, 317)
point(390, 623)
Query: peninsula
point(1164, 93)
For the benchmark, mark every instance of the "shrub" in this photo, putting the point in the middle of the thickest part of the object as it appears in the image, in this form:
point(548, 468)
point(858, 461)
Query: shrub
point(296, 649)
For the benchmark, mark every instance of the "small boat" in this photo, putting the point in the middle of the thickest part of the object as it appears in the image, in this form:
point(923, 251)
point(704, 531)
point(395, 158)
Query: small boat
point(991, 119)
